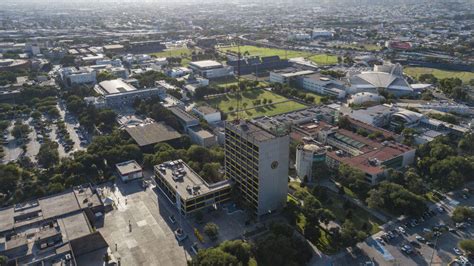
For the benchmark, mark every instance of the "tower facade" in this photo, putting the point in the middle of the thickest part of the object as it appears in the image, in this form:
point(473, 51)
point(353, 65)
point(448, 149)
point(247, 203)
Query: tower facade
point(257, 161)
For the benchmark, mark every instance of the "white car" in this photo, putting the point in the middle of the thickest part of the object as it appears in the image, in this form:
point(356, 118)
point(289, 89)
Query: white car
point(401, 230)
point(420, 238)
point(457, 251)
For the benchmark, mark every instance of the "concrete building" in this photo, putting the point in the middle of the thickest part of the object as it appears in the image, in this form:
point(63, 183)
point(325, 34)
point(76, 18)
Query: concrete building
point(387, 77)
point(129, 170)
point(186, 119)
point(178, 72)
point(114, 48)
point(307, 155)
point(365, 98)
point(53, 230)
point(71, 76)
point(202, 137)
point(286, 75)
point(118, 92)
point(372, 157)
point(311, 81)
point(211, 69)
point(208, 113)
point(14, 64)
point(146, 135)
point(188, 191)
point(257, 161)
point(324, 85)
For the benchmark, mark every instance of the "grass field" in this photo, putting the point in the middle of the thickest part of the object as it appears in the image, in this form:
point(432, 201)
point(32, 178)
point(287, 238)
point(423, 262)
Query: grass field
point(269, 110)
point(262, 51)
point(361, 47)
point(323, 59)
point(247, 97)
point(439, 73)
point(317, 97)
point(179, 52)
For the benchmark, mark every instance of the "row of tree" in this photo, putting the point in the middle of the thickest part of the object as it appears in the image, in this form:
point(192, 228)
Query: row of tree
point(280, 247)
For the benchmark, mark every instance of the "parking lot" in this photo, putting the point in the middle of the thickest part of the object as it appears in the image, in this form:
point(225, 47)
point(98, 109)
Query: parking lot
point(13, 148)
point(430, 241)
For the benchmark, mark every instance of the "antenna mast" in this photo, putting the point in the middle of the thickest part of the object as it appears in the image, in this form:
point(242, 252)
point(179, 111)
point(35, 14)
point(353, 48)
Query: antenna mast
point(238, 79)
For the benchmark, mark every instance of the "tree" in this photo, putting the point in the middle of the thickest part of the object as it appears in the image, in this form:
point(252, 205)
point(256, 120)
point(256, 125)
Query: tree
point(20, 131)
point(211, 230)
point(105, 75)
point(48, 154)
point(396, 199)
point(350, 235)
point(344, 122)
point(10, 174)
point(214, 256)
point(462, 213)
point(238, 248)
point(467, 245)
point(3, 260)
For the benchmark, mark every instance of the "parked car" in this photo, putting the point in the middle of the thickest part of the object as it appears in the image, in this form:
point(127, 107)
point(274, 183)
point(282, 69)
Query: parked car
point(180, 235)
point(172, 219)
point(420, 238)
point(407, 249)
point(195, 248)
point(457, 251)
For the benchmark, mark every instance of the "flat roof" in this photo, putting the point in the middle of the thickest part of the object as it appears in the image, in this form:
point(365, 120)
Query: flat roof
point(53, 206)
point(182, 114)
point(152, 133)
point(58, 204)
point(75, 225)
point(201, 132)
point(187, 183)
point(115, 86)
point(128, 167)
point(113, 46)
point(250, 130)
point(206, 109)
point(206, 64)
point(382, 154)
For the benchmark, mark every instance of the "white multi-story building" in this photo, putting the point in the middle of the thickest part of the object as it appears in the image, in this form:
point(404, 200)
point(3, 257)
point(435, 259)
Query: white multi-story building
point(78, 75)
point(306, 156)
point(323, 85)
point(117, 93)
point(211, 69)
point(257, 161)
point(211, 115)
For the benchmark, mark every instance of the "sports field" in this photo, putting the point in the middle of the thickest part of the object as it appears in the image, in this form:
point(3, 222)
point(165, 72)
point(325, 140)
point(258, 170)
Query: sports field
point(263, 51)
point(178, 52)
point(268, 110)
point(321, 59)
point(439, 73)
point(228, 104)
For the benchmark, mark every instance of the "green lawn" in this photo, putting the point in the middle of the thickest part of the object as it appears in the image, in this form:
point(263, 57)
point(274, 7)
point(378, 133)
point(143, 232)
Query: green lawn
point(323, 59)
point(224, 82)
point(178, 52)
point(361, 47)
point(317, 97)
point(439, 73)
point(269, 110)
point(263, 51)
point(247, 97)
